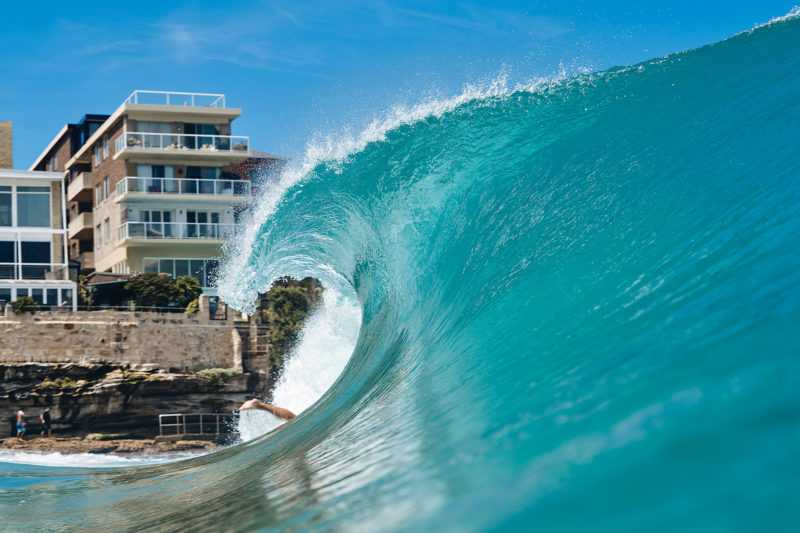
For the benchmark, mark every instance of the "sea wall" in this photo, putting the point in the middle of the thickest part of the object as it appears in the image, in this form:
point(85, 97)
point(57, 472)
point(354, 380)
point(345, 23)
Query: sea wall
point(169, 340)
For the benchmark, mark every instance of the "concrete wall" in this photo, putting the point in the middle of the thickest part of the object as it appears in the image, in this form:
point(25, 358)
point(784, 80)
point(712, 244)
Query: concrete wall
point(6, 147)
point(169, 340)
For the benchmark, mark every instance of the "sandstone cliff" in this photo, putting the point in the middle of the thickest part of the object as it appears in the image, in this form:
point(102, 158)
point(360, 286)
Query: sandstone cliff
point(113, 397)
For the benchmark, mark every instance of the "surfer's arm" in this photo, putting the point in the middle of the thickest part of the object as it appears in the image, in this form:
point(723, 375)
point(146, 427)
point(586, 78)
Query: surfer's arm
point(277, 411)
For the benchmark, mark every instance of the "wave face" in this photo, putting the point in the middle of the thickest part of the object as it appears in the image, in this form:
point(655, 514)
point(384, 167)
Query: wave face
point(579, 305)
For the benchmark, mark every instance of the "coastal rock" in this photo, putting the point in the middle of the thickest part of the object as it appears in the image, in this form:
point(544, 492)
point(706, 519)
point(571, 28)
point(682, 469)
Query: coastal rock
point(115, 398)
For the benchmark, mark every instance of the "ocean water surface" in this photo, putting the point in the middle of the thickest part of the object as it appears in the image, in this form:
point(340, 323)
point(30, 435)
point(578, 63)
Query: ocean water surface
point(567, 306)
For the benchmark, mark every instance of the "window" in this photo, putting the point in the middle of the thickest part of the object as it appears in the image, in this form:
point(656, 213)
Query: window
point(97, 155)
point(148, 172)
point(97, 197)
point(105, 188)
point(105, 147)
point(106, 230)
point(33, 206)
point(97, 236)
point(156, 134)
point(204, 270)
point(8, 254)
point(35, 252)
point(5, 205)
point(66, 297)
point(55, 162)
point(153, 127)
point(150, 215)
point(206, 173)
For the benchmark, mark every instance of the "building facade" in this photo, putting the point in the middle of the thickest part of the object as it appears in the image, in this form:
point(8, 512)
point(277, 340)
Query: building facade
point(33, 237)
point(157, 186)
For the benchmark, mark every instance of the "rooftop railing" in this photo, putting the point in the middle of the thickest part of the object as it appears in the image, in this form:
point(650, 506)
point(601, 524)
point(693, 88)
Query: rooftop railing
point(175, 98)
point(190, 186)
point(174, 230)
point(180, 141)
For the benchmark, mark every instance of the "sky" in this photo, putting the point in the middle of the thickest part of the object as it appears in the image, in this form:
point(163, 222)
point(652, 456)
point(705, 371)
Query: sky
point(306, 69)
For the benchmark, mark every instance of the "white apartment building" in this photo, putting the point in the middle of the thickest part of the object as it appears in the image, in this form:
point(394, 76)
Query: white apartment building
point(33, 238)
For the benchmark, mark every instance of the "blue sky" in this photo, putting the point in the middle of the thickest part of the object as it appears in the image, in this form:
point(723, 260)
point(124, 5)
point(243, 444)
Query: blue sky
point(310, 67)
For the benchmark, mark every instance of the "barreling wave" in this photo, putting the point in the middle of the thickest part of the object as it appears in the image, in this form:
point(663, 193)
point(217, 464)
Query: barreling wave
point(578, 303)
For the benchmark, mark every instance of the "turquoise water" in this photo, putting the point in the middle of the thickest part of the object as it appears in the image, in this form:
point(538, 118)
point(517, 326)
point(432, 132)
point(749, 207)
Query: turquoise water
point(580, 303)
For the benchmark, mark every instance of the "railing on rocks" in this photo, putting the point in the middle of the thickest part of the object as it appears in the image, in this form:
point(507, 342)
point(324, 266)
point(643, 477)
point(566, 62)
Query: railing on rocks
point(179, 424)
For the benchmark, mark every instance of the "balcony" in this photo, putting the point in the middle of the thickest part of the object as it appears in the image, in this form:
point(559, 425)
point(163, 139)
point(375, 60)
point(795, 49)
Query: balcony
point(133, 187)
point(176, 99)
point(86, 259)
point(171, 231)
point(33, 271)
point(81, 226)
point(225, 148)
point(81, 184)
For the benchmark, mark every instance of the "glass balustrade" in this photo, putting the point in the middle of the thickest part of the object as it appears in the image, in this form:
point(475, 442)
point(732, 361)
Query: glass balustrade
point(178, 141)
point(27, 270)
point(133, 184)
point(174, 230)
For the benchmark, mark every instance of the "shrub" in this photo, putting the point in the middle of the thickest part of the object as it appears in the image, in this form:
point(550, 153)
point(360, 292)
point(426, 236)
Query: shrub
point(152, 289)
point(24, 304)
point(188, 289)
point(217, 377)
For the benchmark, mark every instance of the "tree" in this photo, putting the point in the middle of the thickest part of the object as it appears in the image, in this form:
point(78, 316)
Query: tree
point(285, 308)
point(188, 289)
point(152, 289)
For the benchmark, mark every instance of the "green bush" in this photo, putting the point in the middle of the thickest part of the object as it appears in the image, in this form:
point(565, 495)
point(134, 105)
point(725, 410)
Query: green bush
point(188, 289)
point(160, 290)
point(24, 304)
point(152, 289)
point(217, 377)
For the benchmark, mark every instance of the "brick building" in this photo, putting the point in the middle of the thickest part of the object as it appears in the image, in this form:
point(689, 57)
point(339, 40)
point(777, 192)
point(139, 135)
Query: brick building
point(156, 186)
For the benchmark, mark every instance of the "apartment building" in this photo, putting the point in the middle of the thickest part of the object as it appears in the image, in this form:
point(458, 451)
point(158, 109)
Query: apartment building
point(33, 252)
point(158, 185)
point(54, 159)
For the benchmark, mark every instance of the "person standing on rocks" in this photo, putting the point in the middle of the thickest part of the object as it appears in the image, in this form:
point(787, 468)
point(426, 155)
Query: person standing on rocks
point(20, 425)
point(45, 418)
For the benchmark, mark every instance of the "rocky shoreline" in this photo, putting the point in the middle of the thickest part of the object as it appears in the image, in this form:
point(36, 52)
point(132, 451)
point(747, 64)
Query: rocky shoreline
point(102, 444)
point(117, 399)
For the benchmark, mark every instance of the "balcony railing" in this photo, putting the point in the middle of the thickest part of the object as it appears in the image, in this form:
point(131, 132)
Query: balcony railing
point(80, 223)
point(174, 230)
point(180, 141)
point(31, 271)
point(82, 181)
point(190, 186)
point(174, 98)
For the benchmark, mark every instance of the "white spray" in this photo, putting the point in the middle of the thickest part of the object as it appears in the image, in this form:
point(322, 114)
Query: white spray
point(324, 347)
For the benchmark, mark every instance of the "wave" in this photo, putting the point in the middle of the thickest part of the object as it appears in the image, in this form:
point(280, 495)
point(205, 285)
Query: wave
point(577, 306)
